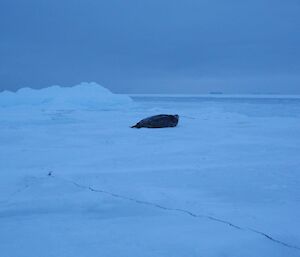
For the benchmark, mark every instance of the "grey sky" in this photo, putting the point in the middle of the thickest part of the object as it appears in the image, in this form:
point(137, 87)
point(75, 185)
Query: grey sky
point(152, 46)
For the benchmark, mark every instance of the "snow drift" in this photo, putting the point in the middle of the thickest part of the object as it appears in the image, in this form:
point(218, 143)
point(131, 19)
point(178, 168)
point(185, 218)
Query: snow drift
point(82, 96)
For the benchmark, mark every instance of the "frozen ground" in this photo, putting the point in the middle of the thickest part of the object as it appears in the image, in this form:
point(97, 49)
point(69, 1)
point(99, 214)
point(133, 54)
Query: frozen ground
point(78, 182)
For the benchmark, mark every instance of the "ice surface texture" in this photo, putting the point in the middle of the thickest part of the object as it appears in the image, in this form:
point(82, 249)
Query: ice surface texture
point(81, 183)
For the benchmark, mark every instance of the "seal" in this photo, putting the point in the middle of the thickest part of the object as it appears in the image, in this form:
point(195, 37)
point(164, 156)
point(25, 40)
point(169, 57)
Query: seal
point(158, 121)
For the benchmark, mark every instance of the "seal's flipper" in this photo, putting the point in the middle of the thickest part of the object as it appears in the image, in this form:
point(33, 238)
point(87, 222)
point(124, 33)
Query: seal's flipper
point(136, 126)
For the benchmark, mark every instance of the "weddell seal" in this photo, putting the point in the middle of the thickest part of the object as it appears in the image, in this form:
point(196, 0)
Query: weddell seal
point(158, 121)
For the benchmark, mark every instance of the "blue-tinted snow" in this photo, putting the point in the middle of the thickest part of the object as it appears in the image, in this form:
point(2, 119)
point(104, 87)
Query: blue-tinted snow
point(116, 191)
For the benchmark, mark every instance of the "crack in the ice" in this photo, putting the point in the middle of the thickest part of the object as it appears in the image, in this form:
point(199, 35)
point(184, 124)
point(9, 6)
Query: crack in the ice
point(12, 195)
point(21, 190)
point(90, 188)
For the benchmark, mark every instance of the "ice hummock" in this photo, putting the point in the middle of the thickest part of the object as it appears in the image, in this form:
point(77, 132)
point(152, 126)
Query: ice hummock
point(83, 96)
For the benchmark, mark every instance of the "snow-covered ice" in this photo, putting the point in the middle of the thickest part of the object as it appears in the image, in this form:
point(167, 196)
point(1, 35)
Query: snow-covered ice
point(75, 180)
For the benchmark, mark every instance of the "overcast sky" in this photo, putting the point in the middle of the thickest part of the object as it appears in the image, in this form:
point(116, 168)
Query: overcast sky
point(152, 46)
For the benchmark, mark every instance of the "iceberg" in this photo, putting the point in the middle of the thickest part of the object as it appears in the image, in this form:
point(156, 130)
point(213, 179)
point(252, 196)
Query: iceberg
point(83, 96)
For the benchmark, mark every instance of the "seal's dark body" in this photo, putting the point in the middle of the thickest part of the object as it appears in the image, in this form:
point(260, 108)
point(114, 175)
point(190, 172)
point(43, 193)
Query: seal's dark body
point(158, 121)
